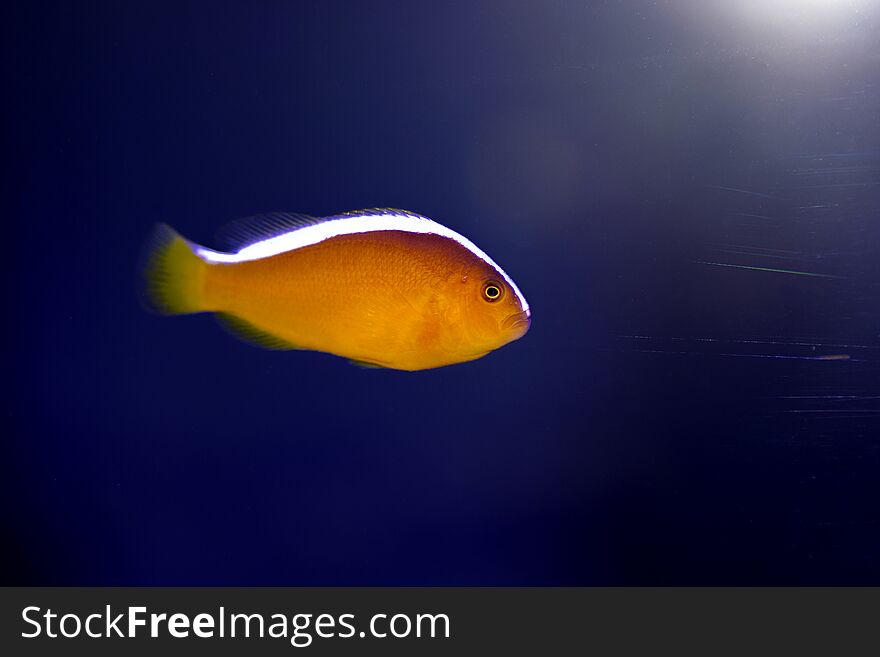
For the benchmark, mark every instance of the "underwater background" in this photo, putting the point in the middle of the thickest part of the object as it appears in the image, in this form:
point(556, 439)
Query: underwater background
point(688, 194)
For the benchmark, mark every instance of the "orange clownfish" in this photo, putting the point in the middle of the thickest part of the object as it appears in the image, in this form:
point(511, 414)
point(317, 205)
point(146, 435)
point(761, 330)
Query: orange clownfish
point(382, 287)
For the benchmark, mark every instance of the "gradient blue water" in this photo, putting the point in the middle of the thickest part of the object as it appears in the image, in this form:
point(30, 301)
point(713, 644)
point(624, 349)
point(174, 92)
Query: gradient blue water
point(666, 420)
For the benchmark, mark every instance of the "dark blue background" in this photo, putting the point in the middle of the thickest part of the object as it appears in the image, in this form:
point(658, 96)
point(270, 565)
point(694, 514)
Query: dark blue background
point(603, 153)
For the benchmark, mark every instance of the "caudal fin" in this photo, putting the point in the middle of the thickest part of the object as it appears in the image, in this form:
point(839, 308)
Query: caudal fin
point(173, 274)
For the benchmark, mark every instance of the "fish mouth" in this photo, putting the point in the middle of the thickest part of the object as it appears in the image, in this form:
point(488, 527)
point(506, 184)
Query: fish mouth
point(517, 321)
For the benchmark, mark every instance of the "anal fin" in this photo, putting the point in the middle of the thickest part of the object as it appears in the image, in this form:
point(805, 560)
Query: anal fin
point(367, 365)
point(244, 330)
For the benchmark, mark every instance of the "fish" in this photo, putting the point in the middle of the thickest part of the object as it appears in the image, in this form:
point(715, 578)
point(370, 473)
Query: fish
point(383, 288)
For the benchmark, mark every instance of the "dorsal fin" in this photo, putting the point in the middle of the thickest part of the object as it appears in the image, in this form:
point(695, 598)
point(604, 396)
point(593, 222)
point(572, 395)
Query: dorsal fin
point(372, 212)
point(240, 233)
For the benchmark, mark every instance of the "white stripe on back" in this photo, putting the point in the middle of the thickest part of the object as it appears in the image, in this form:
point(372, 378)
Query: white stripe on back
point(351, 225)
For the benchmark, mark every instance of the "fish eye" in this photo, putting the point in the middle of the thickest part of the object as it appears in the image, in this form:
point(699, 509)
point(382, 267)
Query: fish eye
point(492, 291)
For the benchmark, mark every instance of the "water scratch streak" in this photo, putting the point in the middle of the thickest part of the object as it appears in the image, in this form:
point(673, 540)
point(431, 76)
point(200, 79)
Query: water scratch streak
point(770, 269)
point(744, 191)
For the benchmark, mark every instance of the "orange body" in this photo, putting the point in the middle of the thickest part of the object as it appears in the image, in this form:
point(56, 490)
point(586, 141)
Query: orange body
point(390, 298)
